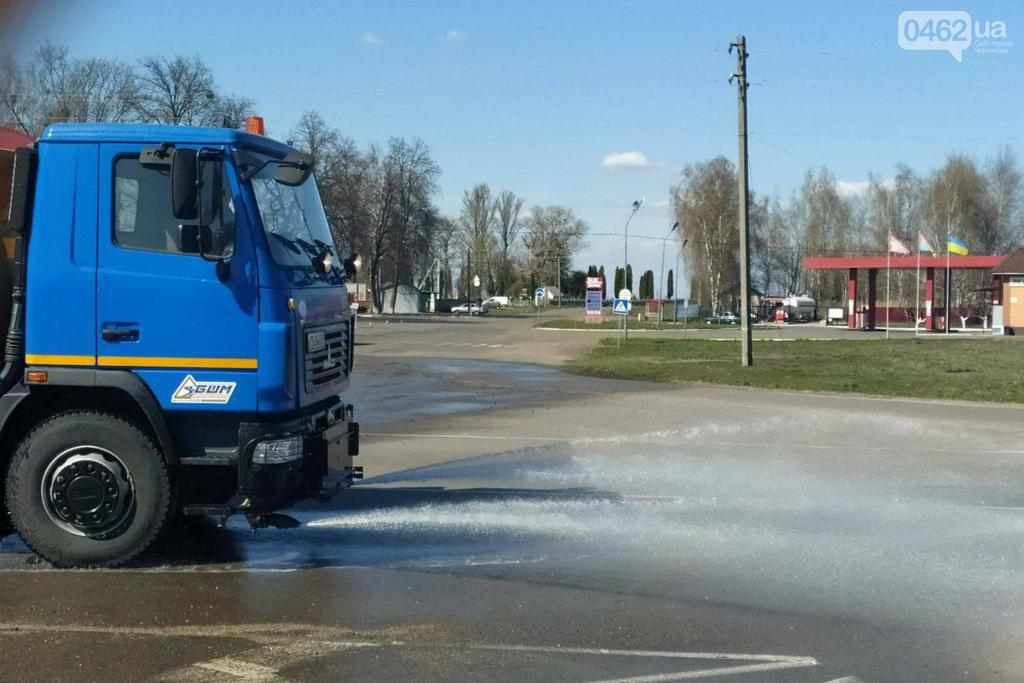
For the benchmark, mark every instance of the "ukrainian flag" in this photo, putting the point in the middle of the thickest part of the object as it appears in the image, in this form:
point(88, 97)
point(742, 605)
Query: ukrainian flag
point(956, 246)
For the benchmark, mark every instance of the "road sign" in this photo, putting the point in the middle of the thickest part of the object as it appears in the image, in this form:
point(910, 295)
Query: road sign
point(476, 280)
point(625, 294)
point(621, 306)
point(538, 293)
point(595, 282)
point(593, 302)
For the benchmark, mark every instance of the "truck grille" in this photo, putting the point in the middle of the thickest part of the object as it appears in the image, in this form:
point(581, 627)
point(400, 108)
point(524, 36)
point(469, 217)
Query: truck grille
point(330, 363)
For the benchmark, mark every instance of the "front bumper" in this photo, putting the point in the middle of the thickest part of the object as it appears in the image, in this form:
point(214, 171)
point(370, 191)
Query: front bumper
point(330, 439)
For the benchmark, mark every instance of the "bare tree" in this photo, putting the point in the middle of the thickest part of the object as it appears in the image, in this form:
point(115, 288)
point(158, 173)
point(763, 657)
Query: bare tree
point(705, 202)
point(18, 97)
point(54, 87)
point(176, 91)
point(1004, 200)
point(552, 235)
point(477, 221)
point(445, 240)
point(508, 207)
point(230, 111)
point(825, 219)
point(415, 216)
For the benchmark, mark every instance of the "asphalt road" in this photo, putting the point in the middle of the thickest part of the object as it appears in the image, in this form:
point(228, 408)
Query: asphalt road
point(518, 523)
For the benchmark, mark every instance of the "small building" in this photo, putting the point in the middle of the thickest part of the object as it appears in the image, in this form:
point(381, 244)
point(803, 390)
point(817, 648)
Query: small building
point(408, 300)
point(1008, 294)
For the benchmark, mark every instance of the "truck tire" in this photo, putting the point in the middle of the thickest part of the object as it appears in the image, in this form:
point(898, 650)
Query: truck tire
point(88, 489)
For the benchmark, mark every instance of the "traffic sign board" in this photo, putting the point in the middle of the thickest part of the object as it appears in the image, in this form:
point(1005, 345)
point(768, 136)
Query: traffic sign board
point(625, 294)
point(621, 306)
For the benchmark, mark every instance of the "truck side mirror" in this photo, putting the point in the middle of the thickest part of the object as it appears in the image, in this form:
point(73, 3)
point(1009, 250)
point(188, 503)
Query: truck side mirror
point(195, 239)
point(188, 239)
point(210, 190)
point(184, 194)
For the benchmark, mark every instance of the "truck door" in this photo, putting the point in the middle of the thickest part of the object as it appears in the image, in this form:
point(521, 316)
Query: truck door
point(187, 325)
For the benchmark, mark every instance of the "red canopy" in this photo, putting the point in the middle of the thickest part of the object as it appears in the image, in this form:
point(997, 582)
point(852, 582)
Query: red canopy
point(900, 262)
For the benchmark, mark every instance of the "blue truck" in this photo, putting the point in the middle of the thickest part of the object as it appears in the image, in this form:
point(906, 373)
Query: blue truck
point(176, 337)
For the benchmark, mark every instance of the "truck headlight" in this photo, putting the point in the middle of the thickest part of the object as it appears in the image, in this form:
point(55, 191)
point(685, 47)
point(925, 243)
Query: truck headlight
point(278, 451)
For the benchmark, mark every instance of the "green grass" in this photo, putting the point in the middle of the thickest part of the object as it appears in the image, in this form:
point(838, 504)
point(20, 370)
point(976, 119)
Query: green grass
point(987, 369)
point(615, 323)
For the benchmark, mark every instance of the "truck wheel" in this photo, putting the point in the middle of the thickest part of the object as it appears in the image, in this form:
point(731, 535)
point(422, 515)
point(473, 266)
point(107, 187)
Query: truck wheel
point(88, 489)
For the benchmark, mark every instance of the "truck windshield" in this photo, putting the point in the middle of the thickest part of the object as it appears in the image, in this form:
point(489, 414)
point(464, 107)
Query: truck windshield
point(294, 220)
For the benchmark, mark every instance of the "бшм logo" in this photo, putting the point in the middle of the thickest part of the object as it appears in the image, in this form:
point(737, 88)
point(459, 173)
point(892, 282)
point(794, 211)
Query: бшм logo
point(952, 32)
point(192, 391)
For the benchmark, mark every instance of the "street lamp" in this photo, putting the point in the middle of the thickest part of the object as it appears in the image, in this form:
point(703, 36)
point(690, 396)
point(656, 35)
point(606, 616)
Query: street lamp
point(625, 252)
point(661, 276)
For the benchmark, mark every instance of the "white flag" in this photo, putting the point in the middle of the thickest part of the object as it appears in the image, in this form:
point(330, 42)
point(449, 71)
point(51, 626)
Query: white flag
point(923, 245)
point(897, 247)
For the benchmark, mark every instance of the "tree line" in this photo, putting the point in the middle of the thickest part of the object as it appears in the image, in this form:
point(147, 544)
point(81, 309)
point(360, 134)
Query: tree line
point(979, 203)
point(380, 199)
point(52, 85)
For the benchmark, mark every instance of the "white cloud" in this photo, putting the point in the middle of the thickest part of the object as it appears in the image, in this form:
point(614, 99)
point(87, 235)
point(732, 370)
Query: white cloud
point(454, 35)
point(371, 38)
point(626, 160)
point(662, 204)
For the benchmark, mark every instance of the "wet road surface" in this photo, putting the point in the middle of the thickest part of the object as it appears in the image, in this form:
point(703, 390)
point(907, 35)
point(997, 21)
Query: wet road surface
point(518, 523)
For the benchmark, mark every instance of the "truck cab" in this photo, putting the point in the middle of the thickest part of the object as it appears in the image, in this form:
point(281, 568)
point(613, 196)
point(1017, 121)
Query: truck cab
point(179, 337)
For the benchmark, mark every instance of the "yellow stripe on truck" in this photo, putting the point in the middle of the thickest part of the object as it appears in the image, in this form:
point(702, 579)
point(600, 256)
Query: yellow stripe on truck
point(184, 362)
point(145, 362)
point(51, 359)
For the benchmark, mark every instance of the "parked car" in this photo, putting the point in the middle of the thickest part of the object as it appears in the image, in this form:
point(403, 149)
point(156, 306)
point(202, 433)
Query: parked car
point(467, 309)
point(496, 302)
point(724, 319)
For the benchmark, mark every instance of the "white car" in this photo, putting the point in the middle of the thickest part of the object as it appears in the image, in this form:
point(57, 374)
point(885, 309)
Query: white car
point(496, 302)
point(466, 309)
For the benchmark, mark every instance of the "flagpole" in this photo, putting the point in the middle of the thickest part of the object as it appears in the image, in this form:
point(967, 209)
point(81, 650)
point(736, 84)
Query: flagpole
point(917, 297)
point(888, 256)
point(949, 297)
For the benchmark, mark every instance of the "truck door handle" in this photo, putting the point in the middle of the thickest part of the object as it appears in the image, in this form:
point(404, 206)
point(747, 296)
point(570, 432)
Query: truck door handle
point(120, 333)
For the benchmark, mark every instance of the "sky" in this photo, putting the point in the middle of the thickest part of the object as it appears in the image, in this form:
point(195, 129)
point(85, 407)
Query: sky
point(589, 105)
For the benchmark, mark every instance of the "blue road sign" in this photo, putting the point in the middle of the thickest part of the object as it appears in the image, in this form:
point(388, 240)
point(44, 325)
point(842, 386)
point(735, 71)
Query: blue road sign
point(621, 306)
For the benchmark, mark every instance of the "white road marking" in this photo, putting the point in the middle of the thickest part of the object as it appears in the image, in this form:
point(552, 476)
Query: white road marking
point(262, 664)
point(235, 668)
point(282, 645)
point(710, 673)
point(555, 649)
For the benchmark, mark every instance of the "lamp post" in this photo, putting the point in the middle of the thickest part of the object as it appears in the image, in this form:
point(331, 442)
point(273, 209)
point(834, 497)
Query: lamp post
point(661, 276)
point(625, 253)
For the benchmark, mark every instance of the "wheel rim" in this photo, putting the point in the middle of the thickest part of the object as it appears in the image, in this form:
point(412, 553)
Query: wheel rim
point(89, 491)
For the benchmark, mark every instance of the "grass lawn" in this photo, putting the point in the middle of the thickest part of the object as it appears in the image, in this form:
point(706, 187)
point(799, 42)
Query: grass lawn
point(615, 323)
point(986, 369)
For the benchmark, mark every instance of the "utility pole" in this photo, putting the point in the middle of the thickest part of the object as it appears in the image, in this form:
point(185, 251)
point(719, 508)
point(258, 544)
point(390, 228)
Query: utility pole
point(468, 281)
point(747, 355)
point(558, 265)
point(625, 257)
